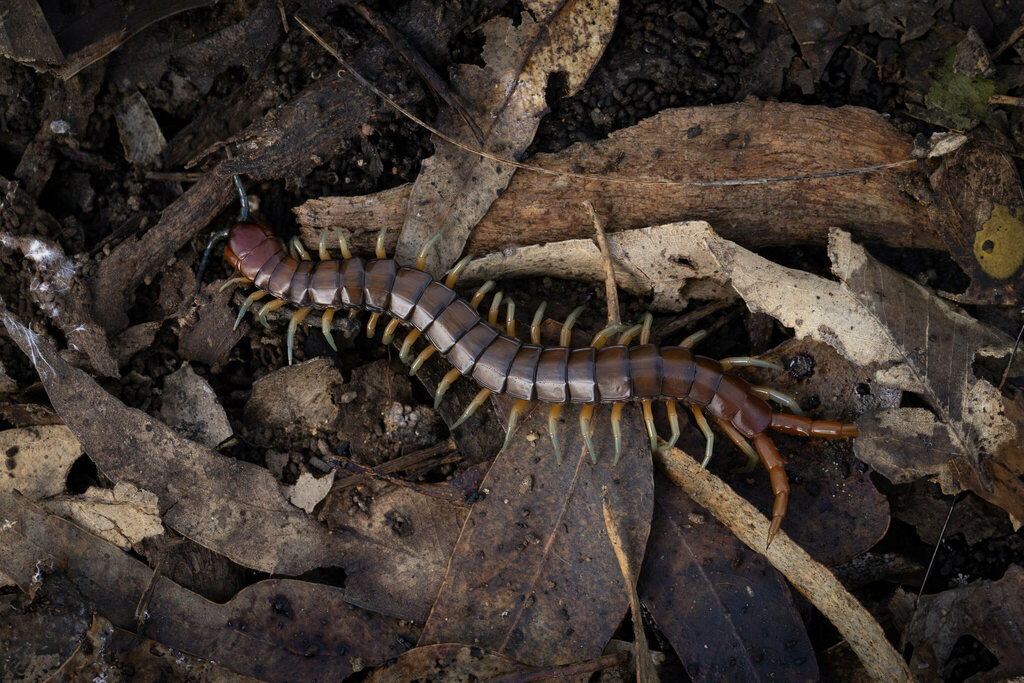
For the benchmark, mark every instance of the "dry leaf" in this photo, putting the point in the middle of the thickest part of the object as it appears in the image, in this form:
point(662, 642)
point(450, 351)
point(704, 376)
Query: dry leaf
point(191, 407)
point(309, 490)
point(122, 516)
point(37, 459)
point(507, 96)
point(297, 397)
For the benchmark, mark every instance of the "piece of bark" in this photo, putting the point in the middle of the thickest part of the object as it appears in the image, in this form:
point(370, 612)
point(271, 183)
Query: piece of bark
point(748, 140)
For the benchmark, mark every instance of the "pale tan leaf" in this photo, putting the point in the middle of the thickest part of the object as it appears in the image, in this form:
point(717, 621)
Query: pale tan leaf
point(123, 515)
point(37, 459)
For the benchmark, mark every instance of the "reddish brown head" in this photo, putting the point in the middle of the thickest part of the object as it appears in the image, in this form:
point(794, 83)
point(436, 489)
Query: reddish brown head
point(249, 246)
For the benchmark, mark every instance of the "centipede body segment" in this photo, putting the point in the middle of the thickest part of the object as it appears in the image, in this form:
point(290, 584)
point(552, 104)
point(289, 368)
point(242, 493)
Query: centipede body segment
point(530, 372)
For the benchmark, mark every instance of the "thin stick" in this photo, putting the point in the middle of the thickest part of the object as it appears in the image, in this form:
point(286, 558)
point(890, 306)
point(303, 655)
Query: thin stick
point(611, 289)
point(812, 579)
point(1009, 361)
point(588, 176)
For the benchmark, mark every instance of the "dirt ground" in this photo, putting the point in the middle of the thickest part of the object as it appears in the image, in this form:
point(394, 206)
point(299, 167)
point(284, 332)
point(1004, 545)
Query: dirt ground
point(180, 500)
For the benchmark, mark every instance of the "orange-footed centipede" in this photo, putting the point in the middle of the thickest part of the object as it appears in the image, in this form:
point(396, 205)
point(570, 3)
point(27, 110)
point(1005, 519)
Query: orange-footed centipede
point(500, 364)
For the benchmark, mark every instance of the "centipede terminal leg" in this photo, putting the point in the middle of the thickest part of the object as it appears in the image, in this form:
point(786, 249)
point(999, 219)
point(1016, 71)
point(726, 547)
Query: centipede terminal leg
point(775, 465)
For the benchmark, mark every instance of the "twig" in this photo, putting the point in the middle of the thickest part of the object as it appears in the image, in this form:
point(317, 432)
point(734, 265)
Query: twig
point(812, 579)
point(1009, 361)
point(610, 287)
point(1017, 34)
point(403, 462)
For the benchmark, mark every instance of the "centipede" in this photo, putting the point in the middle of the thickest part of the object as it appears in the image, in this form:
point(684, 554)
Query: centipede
point(611, 370)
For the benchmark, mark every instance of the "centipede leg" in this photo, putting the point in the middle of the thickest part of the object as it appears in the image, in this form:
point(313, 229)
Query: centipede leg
point(379, 251)
point(421, 359)
point(477, 401)
point(297, 249)
point(692, 340)
point(267, 308)
point(322, 246)
point(443, 385)
point(617, 430)
point(649, 421)
point(626, 337)
point(410, 339)
point(233, 281)
point(779, 397)
point(673, 421)
point(492, 312)
point(645, 329)
point(481, 293)
point(421, 260)
point(389, 331)
point(776, 467)
point(292, 324)
point(602, 337)
point(371, 324)
point(513, 419)
point(510, 318)
point(456, 271)
point(585, 414)
point(740, 442)
point(343, 245)
point(705, 429)
point(538, 317)
point(748, 362)
point(255, 296)
point(570, 321)
point(326, 318)
point(553, 415)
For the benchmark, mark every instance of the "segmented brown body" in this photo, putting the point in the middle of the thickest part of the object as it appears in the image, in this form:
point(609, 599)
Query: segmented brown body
point(502, 364)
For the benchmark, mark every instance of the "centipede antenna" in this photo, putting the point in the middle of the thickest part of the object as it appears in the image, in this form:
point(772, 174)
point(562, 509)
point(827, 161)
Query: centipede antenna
point(492, 312)
point(563, 338)
point(585, 414)
point(538, 316)
point(379, 250)
point(389, 331)
point(267, 308)
point(299, 249)
point(233, 281)
point(617, 430)
point(779, 397)
point(741, 443)
point(673, 422)
point(326, 318)
point(477, 401)
point(513, 419)
point(510, 317)
point(322, 246)
point(645, 330)
point(649, 421)
point(421, 260)
point(553, 415)
point(748, 362)
point(705, 429)
point(214, 238)
point(410, 339)
point(371, 324)
point(421, 359)
point(342, 245)
point(626, 337)
point(255, 296)
point(692, 340)
point(292, 324)
point(481, 293)
point(602, 337)
point(456, 271)
point(243, 199)
point(443, 385)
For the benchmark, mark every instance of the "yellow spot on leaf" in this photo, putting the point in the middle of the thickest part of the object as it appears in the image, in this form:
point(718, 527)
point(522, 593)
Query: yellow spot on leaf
point(999, 245)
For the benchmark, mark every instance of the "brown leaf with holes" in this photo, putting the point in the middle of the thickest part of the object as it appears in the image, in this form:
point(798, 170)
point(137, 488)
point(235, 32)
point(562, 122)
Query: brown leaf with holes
point(507, 98)
point(533, 553)
point(274, 629)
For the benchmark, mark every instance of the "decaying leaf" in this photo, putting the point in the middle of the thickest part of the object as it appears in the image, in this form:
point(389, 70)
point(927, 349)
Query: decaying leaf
point(37, 459)
point(273, 629)
point(309, 490)
point(532, 556)
point(297, 397)
point(230, 506)
point(122, 516)
point(445, 663)
point(990, 611)
point(191, 407)
point(508, 97)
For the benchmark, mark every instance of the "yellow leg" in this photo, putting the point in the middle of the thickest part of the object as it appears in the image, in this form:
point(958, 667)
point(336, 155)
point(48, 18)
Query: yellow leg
point(233, 281)
point(492, 312)
point(480, 397)
point(553, 415)
point(566, 334)
point(510, 318)
point(389, 331)
point(513, 419)
point(602, 337)
point(626, 337)
point(673, 421)
point(421, 260)
point(326, 318)
point(322, 246)
point(649, 421)
point(379, 251)
point(298, 250)
point(779, 397)
point(421, 359)
point(617, 429)
point(255, 296)
point(740, 442)
point(371, 324)
point(267, 308)
point(585, 414)
point(705, 429)
point(456, 271)
point(410, 339)
point(645, 330)
point(538, 317)
point(443, 385)
point(292, 324)
point(748, 362)
point(343, 245)
point(692, 340)
point(481, 293)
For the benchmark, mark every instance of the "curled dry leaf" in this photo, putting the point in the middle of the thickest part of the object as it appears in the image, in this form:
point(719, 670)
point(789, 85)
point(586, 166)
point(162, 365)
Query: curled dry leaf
point(274, 629)
point(227, 505)
point(455, 188)
point(532, 554)
point(37, 459)
point(989, 611)
point(122, 516)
